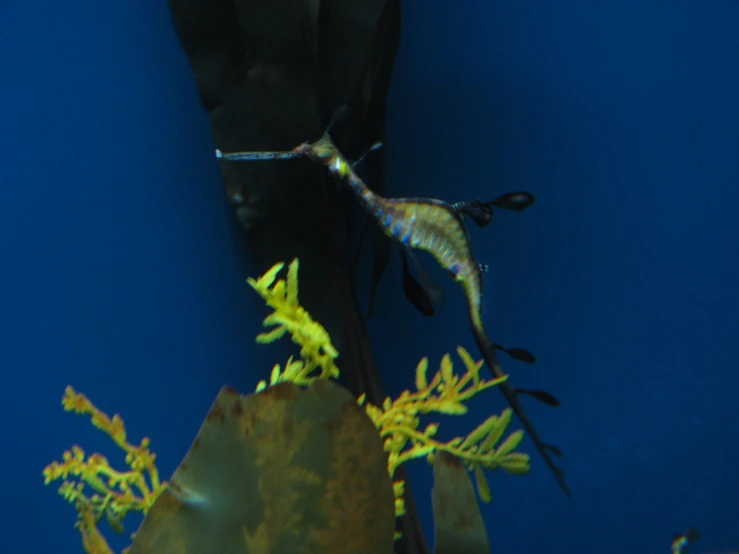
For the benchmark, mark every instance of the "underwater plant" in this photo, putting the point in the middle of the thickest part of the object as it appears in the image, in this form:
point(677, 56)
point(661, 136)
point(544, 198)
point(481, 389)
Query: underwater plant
point(116, 493)
point(390, 436)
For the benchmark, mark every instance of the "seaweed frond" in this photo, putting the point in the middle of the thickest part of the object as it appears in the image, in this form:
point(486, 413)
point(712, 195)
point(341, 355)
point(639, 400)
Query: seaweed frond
point(316, 350)
point(446, 393)
point(114, 493)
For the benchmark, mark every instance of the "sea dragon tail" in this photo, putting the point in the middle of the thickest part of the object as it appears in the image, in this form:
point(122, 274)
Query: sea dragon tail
point(488, 353)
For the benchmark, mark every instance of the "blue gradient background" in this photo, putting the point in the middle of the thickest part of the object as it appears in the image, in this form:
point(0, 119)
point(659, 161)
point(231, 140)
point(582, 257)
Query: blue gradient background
point(123, 270)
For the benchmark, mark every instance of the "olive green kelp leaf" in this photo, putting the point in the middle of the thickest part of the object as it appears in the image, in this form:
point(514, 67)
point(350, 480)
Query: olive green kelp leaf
point(285, 470)
point(457, 521)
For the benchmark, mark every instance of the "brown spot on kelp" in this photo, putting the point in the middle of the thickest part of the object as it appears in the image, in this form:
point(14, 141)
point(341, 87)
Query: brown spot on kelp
point(237, 409)
point(280, 391)
point(216, 415)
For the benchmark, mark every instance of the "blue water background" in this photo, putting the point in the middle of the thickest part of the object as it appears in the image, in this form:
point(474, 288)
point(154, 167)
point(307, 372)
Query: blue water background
point(122, 271)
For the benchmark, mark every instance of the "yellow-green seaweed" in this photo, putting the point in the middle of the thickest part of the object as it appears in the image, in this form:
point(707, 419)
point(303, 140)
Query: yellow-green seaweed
point(115, 493)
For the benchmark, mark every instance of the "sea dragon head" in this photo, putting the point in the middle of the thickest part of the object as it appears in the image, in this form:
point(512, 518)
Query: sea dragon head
point(323, 150)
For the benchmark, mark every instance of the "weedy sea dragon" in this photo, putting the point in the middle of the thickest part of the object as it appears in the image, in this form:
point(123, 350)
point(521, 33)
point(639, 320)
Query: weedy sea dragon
point(438, 228)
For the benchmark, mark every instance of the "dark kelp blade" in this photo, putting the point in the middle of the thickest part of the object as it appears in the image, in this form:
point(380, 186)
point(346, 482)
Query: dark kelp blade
point(415, 293)
point(423, 293)
point(458, 525)
point(340, 114)
point(513, 201)
point(541, 396)
point(433, 290)
point(382, 247)
point(286, 470)
point(372, 91)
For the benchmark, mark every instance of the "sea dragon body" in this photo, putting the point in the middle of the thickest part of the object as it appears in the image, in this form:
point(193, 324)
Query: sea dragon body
point(438, 228)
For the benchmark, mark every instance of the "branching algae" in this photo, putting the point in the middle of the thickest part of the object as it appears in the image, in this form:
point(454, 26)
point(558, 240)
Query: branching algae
point(98, 491)
point(115, 493)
